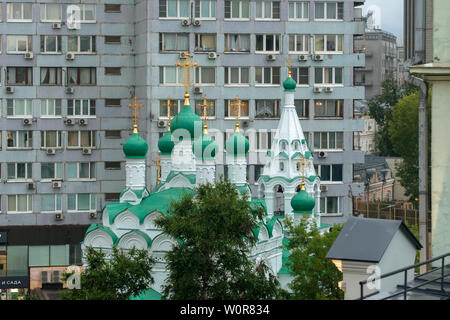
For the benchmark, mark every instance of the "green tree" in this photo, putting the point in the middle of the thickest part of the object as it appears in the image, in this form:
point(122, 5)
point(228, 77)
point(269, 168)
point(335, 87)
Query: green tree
point(214, 226)
point(124, 275)
point(315, 277)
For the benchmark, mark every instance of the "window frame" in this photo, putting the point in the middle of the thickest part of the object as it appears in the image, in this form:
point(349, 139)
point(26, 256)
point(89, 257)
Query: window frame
point(178, 15)
point(56, 170)
point(162, 74)
point(29, 43)
point(162, 36)
point(9, 11)
point(227, 42)
point(179, 102)
point(58, 76)
point(325, 9)
point(92, 75)
point(199, 111)
point(56, 202)
point(306, 43)
point(199, 4)
point(29, 139)
point(92, 171)
point(264, 50)
point(198, 40)
point(55, 108)
point(227, 76)
point(295, 5)
point(92, 203)
point(339, 41)
point(29, 203)
point(240, 10)
point(28, 170)
point(43, 12)
point(328, 139)
point(339, 106)
point(304, 106)
point(59, 143)
point(323, 210)
point(262, 83)
point(43, 44)
point(92, 41)
point(28, 106)
point(198, 76)
point(277, 108)
point(92, 139)
point(297, 76)
point(228, 110)
point(333, 83)
point(263, 9)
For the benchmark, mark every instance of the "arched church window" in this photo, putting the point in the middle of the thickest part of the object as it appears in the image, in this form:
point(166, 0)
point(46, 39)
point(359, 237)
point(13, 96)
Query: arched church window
point(283, 145)
point(281, 166)
point(296, 145)
point(181, 153)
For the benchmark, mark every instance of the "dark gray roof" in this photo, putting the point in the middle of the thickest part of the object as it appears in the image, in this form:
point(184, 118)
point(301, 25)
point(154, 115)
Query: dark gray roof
point(363, 239)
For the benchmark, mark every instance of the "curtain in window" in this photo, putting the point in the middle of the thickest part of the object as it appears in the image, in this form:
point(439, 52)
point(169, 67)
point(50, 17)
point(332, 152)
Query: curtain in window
point(207, 42)
point(72, 138)
point(85, 107)
point(16, 11)
point(339, 140)
point(89, 12)
point(53, 11)
point(331, 108)
point(72, 75)
point(183, 42)
point(22, 203)
point(50, 44)
point(331, 10)
point(338, 75)
point(319, 42)
point(85, 75)
point(51, 139)
point(331, 43)
point(208, 75)
point(320, 10)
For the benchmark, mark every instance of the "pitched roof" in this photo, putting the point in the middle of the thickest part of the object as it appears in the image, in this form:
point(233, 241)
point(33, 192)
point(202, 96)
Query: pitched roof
point(363, 239)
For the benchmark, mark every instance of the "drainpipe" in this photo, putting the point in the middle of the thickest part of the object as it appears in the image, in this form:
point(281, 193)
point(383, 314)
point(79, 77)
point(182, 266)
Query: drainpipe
point(423, 168)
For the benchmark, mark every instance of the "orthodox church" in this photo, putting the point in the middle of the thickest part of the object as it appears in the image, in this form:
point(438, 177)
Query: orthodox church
point(187, 159)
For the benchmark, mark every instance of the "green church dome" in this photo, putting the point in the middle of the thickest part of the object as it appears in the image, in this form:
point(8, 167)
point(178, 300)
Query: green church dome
point(289, 84)
point(135, 146)
point(205, 147)
point(302, 202)
point(237, 145)
point(165, 144)
point(186, 119)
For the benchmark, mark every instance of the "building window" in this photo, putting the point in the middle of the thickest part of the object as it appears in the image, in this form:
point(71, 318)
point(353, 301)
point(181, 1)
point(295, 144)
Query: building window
point(237, 75)
point(50, 12)
point(329, 172)
point(301, 75)
point(20, 139)
point(19, 44)
point(298, 43)
point(237, 9)
point(51, 76)
point(51, 170)
point(263, 140)
point(328, 108)
point(328, 140)
point(112, 134)
point(237, 43)
point(328, 43)
point(302, 108)
point(81, 44)
point(113, 71)
point(205, 75)
point(267, 9)
point(169, 75)
point(331, 204)
point(51, 139)
point(232, 112)
point(205, 42)
point(176, 42)
point(112, 39)
point(329, 11)
point(112, 165)
point(328, 76)
point(19, 12)
point(267, 75)
point(81, 139)
point(298, 10)
point(112, 197)
point(112, 103)
point(81, 170)
point(19, 171)
point(163, 111)
point(50, 107)
point(205, 9)
point(51, 44)
point(81, 202)
point(20, 108)
point(174, 8)
point(50, 203)
point(267, 43)
point(81, 107)
point(112, 8)
point(267, 109)
point(87, 13)
point(81, 76)
point(20, 203)
point(19, 76)
point(210, 111)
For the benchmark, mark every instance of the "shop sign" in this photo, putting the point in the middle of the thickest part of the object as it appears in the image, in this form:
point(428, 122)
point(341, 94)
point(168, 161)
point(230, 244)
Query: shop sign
point(14, 282)
point(3, 237)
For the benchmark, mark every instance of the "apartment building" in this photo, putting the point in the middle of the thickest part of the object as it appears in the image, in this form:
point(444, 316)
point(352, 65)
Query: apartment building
point(66, 84)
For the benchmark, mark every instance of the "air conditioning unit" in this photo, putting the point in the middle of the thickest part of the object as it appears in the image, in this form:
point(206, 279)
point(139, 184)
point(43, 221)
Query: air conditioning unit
point(70, 90)
point(31, 186)
point(28, 55)
point(45, 277)
point(328, 89)
point(197, 23)
point(182, 55)
point(317, 89)
point(9, 89)
point(303, 57)
point(185, 22)
point(69, 122)
point(83, 122)
point(70, 56)
point(27, 121)
point(56, 276)
point(51, 151)
point(198, 90)
point(271, 57)
point(56, 184)
point(161, 124)
point(56, 26)
point(87, 151)
point(245, 123)
point(323, 188)
point(318, 57)
point(322, 154)
point(212, 55)
point(59, 216)
point(93, 215)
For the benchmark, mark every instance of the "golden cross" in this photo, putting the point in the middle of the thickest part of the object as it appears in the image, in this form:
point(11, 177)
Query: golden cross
point(187, 65)
point(205, 105)
point(289, 66)
point(169, 105)
point(135, 105)
point(158, 162)
point(303, 164)
point(237, 103)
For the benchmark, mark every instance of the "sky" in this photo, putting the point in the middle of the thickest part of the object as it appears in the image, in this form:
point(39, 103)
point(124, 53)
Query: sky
point(390, 16)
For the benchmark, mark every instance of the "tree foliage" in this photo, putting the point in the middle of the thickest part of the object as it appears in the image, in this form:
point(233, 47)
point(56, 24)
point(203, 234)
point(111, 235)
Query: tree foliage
point(215, 228)
point(124, 275)
point(315, 277)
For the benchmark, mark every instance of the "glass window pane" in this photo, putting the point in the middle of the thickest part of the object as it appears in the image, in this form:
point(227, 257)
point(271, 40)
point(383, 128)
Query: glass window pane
point(71, 202)
point(339, 140)
point(39, 256)
point(59, 255)
point(337, 172)
point(17, 260)
point(184, 8)
point(320, 10)
point(83, 201)
point(332, 205)
point(47, 202)
point(331, 10)
point(72, 170)
point(325, 174)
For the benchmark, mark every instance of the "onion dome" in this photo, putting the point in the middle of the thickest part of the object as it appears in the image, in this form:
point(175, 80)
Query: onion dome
point(135, 147)
point(165, 144)
point(205, 147)
point(186, 119)
point(302, 202)
point(237, 145)
point(289, 84)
